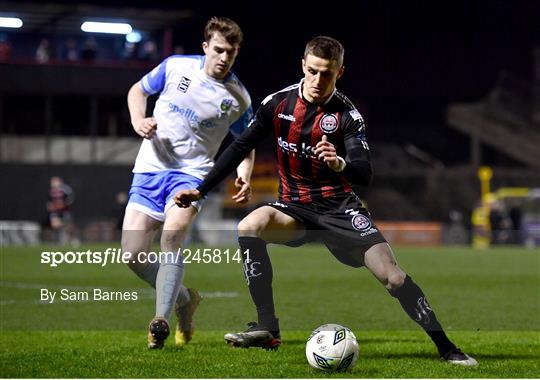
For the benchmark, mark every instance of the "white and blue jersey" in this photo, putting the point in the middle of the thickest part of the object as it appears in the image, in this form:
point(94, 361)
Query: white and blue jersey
point(194, 113)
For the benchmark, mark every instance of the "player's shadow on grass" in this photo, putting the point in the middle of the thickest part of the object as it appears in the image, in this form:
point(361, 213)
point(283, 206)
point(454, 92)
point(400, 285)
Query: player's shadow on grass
point(481, 356)
point(392, 340)
point(399, 355)
point(363, 341)
point(431, 355)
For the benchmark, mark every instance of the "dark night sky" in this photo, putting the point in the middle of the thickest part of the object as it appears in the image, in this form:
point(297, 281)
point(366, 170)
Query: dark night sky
point(395, 51)
point(405, 60)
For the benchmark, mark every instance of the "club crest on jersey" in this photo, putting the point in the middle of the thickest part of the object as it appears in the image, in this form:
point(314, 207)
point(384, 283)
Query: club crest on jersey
point(328, 123)
point(184, 84)
point(360, 222)
point(226, 105)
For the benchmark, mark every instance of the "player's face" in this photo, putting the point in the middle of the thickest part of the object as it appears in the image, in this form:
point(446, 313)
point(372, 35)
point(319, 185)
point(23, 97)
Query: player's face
point(320, 76)
point(220, 56)
point(56, 182)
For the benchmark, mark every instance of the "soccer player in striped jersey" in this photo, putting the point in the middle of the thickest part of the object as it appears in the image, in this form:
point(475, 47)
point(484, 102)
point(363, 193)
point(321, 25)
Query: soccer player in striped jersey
point(321, 151)
point(59, 202)
point(200, 101)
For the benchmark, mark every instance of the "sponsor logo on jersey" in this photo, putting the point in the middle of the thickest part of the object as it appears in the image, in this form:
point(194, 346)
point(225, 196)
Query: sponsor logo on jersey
point(361, 222)
point(328, 123)
point(192, 116)
point(226, 105)
point(188, 113)
point(207, 124)
point(286, 117)
point(184, 84)
point(301, 150)
point(355, 115)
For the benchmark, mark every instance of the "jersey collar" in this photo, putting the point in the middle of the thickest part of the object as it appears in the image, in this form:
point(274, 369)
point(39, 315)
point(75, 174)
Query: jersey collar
point(305, 100)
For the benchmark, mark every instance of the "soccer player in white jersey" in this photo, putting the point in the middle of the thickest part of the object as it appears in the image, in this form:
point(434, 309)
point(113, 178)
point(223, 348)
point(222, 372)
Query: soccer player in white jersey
point(200, 101)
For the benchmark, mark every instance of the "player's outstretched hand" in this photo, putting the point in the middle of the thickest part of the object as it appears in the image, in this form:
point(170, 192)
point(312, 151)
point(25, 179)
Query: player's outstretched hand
point(145, 127)
point(184, 198)
point(244, 193)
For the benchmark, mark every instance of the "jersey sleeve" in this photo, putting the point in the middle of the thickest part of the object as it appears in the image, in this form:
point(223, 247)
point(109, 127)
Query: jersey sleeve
point(358, 169)
point(259, 127)
point(240, 125)
point(154, 81)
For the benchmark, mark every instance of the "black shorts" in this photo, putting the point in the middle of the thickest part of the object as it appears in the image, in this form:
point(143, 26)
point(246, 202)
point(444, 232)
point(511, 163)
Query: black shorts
point(341, 223)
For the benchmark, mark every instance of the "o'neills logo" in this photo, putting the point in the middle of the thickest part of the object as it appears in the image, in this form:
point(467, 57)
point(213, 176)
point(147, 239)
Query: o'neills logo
point(286, 117)
point(328, 123)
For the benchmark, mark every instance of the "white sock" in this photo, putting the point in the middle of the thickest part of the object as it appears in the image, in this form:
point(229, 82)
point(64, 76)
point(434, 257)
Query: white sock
point(149, 273)
point(169, 283)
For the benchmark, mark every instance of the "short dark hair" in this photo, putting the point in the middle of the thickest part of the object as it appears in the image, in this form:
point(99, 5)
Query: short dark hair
point(325, 47)
point(226, 27)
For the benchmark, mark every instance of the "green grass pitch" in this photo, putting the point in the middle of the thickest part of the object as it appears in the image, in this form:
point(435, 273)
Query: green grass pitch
point(489, 302)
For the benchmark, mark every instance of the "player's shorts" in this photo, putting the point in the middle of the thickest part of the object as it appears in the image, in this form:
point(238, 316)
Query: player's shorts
point(152, 193)
point(341, 223)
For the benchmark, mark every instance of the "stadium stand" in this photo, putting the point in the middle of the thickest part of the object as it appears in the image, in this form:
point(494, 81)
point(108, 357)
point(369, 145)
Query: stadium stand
point(508, 120)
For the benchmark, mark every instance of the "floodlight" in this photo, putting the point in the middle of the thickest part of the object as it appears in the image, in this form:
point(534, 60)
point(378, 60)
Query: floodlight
point(106, 27)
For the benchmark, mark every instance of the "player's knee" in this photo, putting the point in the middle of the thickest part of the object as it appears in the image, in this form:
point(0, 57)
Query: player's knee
point(130, 248)
point(395, 280)
point(134, 260)
point(250, 227)
point(172, 239)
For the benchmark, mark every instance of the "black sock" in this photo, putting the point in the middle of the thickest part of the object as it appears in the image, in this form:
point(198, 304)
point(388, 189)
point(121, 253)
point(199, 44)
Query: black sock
point(258, 274)
point(415, 304)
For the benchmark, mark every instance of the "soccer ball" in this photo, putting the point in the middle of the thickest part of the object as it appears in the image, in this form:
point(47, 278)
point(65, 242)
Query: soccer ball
point(332, 347)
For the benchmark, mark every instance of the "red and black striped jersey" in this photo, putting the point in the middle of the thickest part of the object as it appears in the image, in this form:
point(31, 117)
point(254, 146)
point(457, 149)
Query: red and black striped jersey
point(60, 198)
point(297, 126)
